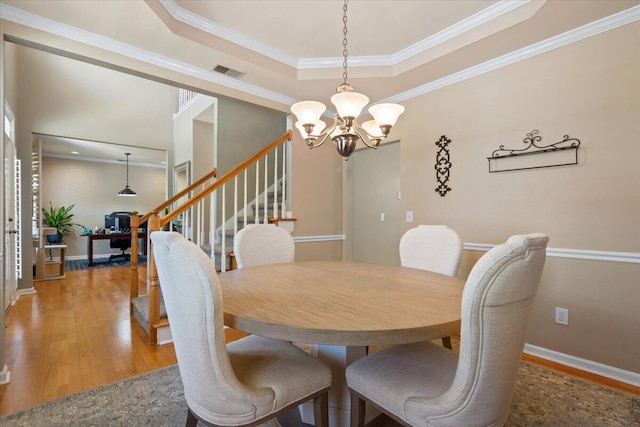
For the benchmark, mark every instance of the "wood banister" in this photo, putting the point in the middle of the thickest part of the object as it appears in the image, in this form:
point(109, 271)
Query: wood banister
point(155, 223)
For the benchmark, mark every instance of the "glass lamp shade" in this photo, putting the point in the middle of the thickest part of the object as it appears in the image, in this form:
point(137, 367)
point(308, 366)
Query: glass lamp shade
point(373, 129)
point(308, 111)
point(349, 104)
point(317, 128)
point(386, 114)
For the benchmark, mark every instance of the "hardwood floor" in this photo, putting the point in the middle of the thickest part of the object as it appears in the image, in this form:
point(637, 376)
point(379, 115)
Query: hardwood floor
point(75, 334)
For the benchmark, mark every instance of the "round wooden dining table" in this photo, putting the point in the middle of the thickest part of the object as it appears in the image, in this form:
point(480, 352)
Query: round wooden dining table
point(339, 308)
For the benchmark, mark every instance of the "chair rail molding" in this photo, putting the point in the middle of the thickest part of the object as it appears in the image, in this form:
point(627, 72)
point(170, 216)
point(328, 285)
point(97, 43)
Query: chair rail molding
point(591, 255)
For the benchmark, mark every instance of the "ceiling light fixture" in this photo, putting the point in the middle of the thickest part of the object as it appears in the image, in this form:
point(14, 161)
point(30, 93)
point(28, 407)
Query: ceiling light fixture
point(345, 131)
point(127, 191)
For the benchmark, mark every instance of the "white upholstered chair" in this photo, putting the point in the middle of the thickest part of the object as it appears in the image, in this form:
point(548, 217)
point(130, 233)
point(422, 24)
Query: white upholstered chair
point(246, 382)
point(258, 244)
point(432, 247)
point(424, 384)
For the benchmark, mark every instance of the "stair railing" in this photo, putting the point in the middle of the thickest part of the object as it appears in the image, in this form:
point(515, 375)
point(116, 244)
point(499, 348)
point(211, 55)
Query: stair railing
point(201, 210)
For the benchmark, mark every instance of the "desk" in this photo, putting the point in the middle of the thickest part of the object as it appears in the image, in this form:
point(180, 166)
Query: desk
point(341, 307)
point(99, 236)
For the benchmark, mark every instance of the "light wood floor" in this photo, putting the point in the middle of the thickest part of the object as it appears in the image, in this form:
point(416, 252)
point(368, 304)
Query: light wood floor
point(75, 334)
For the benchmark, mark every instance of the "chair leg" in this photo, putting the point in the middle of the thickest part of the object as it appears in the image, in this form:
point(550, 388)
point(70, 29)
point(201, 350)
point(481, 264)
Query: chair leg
point(321, 409)
point(357, 411)
point(446, 343)
point(192, 421)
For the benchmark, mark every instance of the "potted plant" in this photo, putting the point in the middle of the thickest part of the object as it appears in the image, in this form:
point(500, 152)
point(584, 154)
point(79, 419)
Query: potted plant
point(60, 219)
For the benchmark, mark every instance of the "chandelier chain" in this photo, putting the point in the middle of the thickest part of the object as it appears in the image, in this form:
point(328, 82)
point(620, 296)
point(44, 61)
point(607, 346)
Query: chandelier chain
point(344, 41)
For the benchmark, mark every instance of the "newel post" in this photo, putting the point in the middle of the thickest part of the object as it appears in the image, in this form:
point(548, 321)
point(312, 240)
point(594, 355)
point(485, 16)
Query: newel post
point(154, 290)
point(135, 223)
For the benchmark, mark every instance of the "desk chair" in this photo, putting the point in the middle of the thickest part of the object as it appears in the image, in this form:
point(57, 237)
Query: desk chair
point(435, 248)
point(123, 245)
point(425, 384)
point(258, 244)
point(246, 382)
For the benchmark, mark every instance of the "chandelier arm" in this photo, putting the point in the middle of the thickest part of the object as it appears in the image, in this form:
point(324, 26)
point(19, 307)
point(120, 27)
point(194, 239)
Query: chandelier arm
point(324, 135)
point(360, 131)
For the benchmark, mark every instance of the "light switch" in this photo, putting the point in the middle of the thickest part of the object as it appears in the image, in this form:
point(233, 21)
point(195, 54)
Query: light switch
point(409, 216)
point(381, 216)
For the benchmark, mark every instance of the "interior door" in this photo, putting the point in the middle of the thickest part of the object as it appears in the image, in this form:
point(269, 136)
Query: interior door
point(374, 205)
point(9, 214)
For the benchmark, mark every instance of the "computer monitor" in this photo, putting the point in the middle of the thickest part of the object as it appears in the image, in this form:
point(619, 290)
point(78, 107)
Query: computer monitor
point(118, 221)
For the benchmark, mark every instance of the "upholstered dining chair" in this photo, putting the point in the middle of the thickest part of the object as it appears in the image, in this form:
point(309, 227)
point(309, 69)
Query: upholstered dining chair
point(425, 384)
point(258, 244)
point(432, 247)
point(245, 382)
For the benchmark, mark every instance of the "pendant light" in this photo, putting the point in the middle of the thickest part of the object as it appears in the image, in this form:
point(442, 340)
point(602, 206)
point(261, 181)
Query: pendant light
point(127, 192)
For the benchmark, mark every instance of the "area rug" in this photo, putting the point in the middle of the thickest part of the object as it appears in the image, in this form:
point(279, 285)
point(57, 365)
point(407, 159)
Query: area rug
point(83, 264)
point(543, 398)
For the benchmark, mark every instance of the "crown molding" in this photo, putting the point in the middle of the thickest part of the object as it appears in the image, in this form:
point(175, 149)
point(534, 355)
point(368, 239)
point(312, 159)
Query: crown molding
point(38, 22)
point(44, 24)
point(490, 13)
point(194, 20)
point(572, 36)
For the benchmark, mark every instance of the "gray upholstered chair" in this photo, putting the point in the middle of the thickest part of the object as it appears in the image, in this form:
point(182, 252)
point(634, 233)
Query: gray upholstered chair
point(246, 382)
point(258, 244)
point(424, 384)
point(432, 247)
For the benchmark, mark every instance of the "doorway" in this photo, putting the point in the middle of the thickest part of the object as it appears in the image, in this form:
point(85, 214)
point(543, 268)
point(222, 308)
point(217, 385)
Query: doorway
point(11, 216)
point(373, 178)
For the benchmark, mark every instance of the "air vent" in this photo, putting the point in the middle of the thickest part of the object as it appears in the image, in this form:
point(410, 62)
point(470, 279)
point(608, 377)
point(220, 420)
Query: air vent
point(228, 71)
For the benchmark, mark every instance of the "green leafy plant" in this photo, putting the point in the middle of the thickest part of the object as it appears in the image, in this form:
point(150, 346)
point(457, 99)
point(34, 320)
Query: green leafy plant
point(59, 218)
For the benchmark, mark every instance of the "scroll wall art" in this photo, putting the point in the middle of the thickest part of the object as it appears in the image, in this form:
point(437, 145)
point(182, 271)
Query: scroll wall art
point(443, 166)
point(561, 153)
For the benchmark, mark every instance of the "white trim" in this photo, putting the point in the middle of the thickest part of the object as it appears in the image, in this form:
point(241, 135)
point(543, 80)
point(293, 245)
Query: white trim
point(5, 375)
point(211, 27)
point(312, 239)
point(606, 371)
point(44, 24)
point(610, 256)
point(31, 20)
point(594, 28)
point(97, 160)
point(194, 20)
point(25, 291)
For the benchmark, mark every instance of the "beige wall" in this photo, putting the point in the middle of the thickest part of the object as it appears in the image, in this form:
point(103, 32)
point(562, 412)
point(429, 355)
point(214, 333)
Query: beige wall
point(589, 90)
point(93, 188)
point(61, 96)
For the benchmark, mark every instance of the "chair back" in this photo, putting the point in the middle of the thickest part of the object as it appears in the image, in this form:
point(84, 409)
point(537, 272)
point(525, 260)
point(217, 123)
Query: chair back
point(431, 247)
point(193, 300)
point(258, 244)
point(496, 302)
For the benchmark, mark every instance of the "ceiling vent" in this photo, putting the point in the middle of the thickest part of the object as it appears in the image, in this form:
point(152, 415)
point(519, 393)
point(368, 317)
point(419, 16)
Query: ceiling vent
point(228, 71)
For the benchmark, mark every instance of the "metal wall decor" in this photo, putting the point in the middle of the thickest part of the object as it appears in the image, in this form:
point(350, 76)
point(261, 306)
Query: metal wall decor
point(443, 166)
point(533, 146)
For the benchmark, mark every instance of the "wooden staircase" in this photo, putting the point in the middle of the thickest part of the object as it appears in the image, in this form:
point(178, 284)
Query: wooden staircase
point(253, 192)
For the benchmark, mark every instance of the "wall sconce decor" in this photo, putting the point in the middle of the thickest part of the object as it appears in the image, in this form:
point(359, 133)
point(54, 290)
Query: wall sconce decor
point(443, 166)
point(565, 154)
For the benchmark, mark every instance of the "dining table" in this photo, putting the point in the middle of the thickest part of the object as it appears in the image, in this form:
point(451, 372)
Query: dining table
point(338, 309)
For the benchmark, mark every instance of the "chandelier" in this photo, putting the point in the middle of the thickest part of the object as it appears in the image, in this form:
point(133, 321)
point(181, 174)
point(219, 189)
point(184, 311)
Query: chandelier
point(345, 130)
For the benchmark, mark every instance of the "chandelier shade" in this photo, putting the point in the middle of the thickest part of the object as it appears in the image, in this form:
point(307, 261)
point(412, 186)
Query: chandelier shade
point(345, 132)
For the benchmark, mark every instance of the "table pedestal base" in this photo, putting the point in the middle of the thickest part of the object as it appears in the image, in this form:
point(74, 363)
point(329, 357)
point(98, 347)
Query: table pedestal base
point(338, 358)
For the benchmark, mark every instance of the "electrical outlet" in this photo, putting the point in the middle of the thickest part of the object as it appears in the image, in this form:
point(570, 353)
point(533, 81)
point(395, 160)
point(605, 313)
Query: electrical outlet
point(562, 316)
point(409, 216)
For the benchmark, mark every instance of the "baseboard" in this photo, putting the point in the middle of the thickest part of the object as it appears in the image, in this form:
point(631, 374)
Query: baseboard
point(5, 375)
point(26, 291)
point(596, 368)
point(164, 335)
